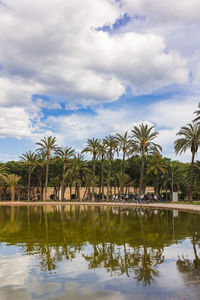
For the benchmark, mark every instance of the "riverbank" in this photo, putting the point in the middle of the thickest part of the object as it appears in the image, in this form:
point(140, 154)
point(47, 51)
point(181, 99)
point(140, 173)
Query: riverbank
point(176, 206)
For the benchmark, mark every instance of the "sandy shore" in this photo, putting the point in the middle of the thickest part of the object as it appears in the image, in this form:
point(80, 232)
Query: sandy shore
point(176, 206)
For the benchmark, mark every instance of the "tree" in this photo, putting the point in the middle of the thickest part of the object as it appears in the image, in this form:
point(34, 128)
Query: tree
point(30, 159)
point(12, 180)
point(78, 164)
point(142, 143)
point(197, 112)
point(112, 146)
point(124, 143)
point(190, 139)
point(3, 174)
point(102, 153)
point(92, 148)
point(157, 166)
point(47, 145)
point(64, 153)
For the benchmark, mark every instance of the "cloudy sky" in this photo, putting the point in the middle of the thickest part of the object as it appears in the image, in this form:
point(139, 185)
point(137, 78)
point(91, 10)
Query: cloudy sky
point(80, 69)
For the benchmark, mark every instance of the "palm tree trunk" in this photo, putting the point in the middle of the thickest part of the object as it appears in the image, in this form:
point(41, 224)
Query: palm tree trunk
point(93, 176)
point(29, 182)
point(78, 187)
point(70, 191)
point(12, 190)
point(157, 184)
point(141, 175)
point(109, 175)
point(102, 177)
point(63, 181)
point(46, 180)
point(41, 188)
point(86, 189)
point(18, 195)
point(191, 177)
point(122, 174)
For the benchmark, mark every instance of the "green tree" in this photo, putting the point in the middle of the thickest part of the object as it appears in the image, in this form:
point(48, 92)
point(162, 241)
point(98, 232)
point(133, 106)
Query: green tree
point(12, 180)
point(102, 151)
point(47, 145)
point(29, 159)
point(78, 165)
point(124, 143)
point(64, 153)
point(92, 148)
point(112, 146)
point(189, 139)
point(157, 166)
point(142, 143)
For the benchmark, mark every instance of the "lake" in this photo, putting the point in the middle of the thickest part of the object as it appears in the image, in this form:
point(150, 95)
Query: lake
point(80, 252)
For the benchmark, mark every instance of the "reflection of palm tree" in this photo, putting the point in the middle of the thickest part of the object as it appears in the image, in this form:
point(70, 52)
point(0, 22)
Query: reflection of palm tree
point(146, 271)
point(190, 267)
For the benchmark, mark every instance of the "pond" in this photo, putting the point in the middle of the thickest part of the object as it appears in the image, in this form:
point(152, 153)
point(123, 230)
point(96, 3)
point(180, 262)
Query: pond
point(80, 252)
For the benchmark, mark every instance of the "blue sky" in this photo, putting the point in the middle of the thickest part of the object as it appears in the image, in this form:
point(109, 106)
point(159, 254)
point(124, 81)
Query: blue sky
point(90, 68)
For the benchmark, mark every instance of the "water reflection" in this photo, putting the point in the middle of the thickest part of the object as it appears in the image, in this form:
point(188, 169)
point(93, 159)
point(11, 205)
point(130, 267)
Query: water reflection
point(99, 250)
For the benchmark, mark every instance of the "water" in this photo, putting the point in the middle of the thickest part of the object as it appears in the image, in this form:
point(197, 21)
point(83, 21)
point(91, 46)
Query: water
point(80, 252)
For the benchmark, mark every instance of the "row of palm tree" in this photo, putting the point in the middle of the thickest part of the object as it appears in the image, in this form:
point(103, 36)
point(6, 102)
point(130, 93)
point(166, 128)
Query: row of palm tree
point(140, 143)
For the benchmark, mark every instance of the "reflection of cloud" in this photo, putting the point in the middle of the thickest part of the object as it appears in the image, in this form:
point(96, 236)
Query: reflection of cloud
point(75, 292)
point(14, 270)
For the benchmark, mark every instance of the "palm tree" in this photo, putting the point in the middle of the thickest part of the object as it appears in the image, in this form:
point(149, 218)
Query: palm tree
point(70, 177)
point(12, 180)
point(92, 148)
point(124, 143)
point(3, 174)
point(102, 151)
point(197, 112)
point(112, 146)
point(190, 139)
point(77, 166)
point(142, 142)
point(157, 166)
point(64, 153)
point(30, 159)
point(47, 145)
point(175, 179)
point(41, 164)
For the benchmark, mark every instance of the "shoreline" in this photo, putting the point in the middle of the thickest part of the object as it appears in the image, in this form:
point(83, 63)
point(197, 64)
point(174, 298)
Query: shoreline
point(168, 206)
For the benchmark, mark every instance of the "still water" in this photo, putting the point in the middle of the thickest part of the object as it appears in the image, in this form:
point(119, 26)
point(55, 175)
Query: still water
point(80, 252)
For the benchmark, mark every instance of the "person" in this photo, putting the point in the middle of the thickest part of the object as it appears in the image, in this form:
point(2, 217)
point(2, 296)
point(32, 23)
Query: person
point(35, 198)
point(155, 198)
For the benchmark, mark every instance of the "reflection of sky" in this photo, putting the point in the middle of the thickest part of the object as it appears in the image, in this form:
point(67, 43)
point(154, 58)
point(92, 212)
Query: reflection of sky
point(21, 278)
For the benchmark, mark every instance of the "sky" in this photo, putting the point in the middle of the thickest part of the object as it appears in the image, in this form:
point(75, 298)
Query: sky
point(82, 69)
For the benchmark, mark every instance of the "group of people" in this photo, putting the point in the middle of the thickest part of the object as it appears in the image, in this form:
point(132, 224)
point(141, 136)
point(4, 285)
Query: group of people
point(143, 198)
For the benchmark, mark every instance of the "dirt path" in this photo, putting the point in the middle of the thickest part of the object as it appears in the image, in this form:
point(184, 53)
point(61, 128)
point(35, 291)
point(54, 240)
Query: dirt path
point(181, 207)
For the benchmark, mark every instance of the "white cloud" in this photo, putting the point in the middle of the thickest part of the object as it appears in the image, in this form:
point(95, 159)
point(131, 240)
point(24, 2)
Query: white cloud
point(53, 48)
point(165, 10)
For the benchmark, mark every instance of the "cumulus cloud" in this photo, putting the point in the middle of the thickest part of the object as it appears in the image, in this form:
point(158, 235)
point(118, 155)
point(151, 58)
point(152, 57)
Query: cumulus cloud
point(54, 48)
point(165, 10)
